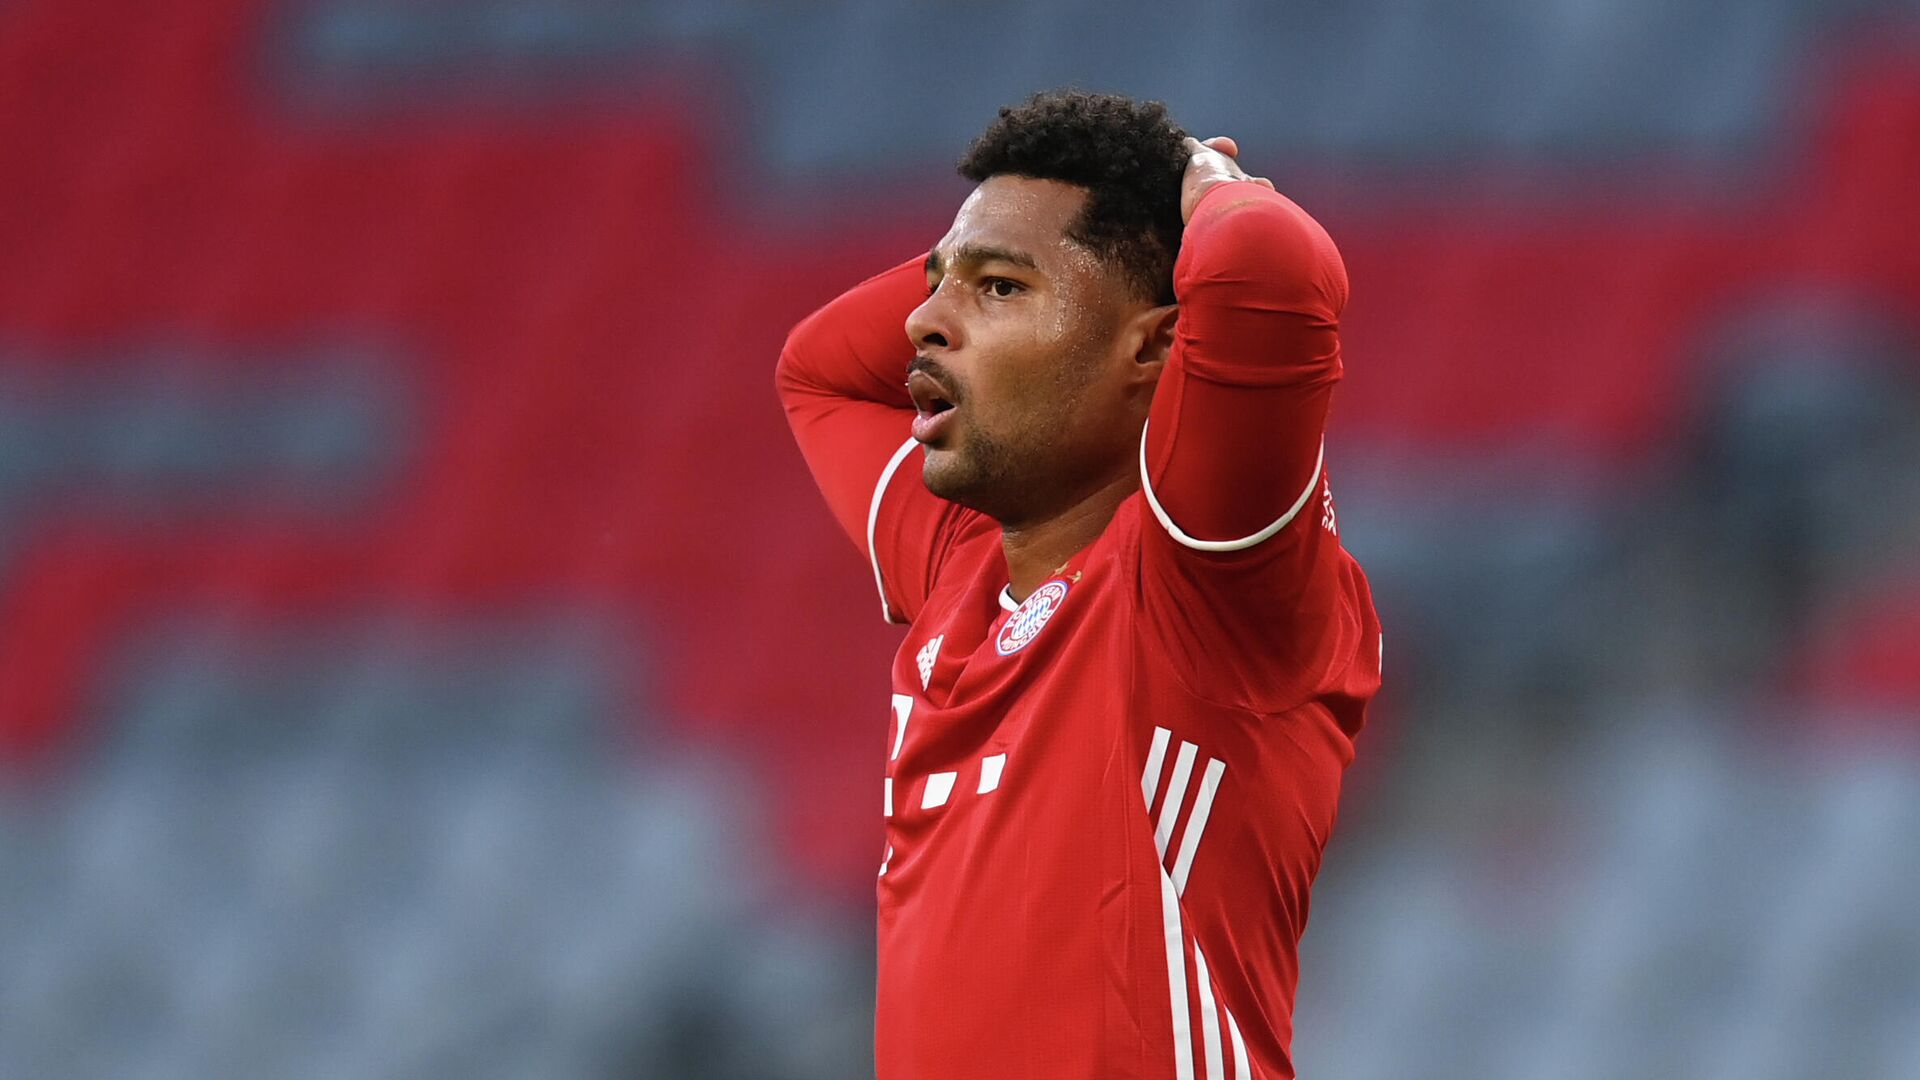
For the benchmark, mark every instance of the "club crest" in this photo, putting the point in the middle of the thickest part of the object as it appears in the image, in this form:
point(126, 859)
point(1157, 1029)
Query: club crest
point(1030, 617)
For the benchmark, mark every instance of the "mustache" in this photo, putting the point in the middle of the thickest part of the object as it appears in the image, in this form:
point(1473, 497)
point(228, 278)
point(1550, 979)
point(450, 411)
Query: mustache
point(938, 372)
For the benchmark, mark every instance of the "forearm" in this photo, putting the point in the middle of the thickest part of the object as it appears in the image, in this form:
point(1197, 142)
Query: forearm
point(856, 348)
point(841, 379)
point(1234, 437)
point(1260, 286)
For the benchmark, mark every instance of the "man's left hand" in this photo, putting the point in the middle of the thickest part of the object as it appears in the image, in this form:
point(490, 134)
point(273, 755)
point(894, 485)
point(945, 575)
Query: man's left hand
point(1214, 161)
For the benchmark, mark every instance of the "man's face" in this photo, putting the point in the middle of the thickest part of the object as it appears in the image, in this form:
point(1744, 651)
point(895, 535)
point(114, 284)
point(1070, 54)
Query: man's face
point(1028, 381)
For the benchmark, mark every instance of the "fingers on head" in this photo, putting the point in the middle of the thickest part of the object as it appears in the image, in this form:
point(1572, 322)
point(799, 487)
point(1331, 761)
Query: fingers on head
point(1225, 144)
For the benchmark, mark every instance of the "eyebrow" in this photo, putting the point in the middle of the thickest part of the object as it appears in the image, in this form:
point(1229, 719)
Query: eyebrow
point(975, 254)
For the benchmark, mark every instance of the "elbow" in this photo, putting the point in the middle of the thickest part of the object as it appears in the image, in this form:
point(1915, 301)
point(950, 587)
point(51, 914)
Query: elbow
point(789, 369)
point(788, 382)
point(1258, 246)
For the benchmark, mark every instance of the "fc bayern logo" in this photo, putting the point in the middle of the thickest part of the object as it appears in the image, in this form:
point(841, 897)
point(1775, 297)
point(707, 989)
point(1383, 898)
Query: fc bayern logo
point(1030, 617)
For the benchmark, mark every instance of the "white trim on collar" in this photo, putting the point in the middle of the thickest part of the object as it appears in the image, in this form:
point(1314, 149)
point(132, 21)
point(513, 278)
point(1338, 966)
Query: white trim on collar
point(1006, 598)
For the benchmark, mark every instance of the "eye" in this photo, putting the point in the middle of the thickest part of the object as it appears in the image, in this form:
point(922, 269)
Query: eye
point(1002, 287)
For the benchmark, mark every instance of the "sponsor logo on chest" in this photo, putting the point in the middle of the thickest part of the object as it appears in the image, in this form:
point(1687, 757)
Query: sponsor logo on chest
point(1031, 617)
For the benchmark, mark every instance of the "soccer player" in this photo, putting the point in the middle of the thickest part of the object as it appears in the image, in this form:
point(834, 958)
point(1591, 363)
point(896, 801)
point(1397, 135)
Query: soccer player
point(1080, 440)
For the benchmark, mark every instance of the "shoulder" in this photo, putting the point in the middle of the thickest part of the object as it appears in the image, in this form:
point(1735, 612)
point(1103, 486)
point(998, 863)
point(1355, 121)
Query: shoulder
point(1220, 625)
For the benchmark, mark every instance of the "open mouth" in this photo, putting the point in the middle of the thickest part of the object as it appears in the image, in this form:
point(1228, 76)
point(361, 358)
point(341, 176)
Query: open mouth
point(932, 404)
point(930, 396)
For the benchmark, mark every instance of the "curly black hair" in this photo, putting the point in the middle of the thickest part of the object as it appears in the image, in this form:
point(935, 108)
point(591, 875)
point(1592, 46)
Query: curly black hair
point(1129, 156)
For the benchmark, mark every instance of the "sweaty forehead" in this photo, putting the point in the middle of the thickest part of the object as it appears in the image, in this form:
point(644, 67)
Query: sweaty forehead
point(1020, 213)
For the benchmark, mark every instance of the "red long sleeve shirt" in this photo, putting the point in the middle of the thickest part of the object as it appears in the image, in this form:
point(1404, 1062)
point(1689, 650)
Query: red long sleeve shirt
point(1104, 805)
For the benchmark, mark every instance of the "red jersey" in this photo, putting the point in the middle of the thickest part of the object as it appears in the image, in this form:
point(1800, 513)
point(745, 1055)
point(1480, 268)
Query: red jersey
point(1105, 802)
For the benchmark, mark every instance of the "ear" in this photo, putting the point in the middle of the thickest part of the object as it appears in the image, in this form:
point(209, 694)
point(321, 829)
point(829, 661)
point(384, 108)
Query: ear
point(1152, 336)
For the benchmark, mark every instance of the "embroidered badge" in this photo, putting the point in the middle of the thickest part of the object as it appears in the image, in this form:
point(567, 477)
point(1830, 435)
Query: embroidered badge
point(1030, 617)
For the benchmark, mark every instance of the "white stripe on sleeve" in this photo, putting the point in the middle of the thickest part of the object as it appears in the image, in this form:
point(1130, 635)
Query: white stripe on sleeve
point(1166, 522)
point(1209, 1018)
point(1156, 754)
point(1197, 823)
point(1176, 794)
point(1241, 1070)
point(873, 518)
point(1176, 980)
point(1170, 926)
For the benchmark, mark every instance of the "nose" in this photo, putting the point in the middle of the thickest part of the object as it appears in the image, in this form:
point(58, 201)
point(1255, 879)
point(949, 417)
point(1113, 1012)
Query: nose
point(930, 326)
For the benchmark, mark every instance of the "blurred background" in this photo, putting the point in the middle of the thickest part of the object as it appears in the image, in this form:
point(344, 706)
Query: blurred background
point(423, 654)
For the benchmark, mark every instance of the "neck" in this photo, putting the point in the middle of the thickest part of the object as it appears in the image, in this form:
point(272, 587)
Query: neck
point(1036, 549)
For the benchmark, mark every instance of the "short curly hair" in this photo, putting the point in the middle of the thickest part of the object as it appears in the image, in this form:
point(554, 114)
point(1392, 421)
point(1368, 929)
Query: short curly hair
point(1128, 154)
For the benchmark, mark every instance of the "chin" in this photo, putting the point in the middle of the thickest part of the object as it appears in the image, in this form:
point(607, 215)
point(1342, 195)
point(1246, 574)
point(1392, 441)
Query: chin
point(952, 477)
point(943, 473)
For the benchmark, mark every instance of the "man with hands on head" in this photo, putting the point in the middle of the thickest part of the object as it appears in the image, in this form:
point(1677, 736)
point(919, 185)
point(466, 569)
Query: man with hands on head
point(1080, 443)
